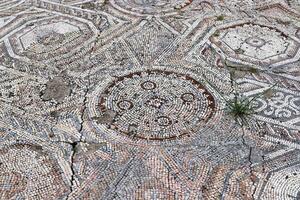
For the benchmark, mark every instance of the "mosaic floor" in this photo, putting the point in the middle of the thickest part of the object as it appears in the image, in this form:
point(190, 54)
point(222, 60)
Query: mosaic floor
point(128, 99)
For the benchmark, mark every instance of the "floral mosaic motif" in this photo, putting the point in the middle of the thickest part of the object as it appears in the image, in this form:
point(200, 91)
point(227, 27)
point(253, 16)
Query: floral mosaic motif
point(280, 105)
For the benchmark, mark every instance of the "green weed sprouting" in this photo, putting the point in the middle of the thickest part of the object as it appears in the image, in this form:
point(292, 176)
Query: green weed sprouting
point(220, 18)
point(241, 108)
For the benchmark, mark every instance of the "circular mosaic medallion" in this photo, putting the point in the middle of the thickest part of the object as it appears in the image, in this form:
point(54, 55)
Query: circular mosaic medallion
point(156, 105)
point(150, 7)
point(255, 42)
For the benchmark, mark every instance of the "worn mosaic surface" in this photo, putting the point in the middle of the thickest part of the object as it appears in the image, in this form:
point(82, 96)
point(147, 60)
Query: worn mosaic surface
point(126, 99)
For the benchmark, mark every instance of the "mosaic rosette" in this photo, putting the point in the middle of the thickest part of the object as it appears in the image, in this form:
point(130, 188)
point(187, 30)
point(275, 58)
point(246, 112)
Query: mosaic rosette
point(155, 105)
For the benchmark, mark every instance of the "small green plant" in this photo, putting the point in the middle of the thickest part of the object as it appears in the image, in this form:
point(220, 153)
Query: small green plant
point(216, 34)
point(239, 51)
point(220, 18)
point(236, 70)
point(240, 107)
point(253, 70)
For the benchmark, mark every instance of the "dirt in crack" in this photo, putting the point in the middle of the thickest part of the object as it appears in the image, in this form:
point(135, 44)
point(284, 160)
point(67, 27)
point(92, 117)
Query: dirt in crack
point(74, 151)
